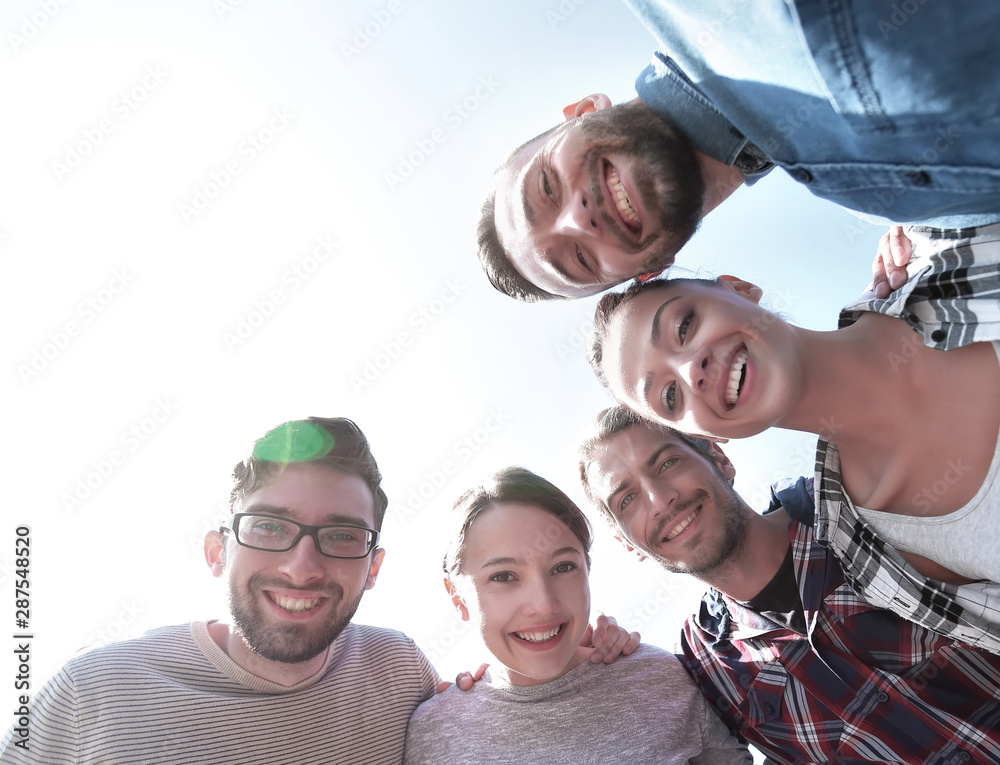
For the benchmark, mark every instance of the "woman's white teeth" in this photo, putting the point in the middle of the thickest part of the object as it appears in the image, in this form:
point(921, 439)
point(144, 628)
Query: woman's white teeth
point(538, 637)
point(295, 605)
point(623, 202)
point(683, 525)
point(735, 375)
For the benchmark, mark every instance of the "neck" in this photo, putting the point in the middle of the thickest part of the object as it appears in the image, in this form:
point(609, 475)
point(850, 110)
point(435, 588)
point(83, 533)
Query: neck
point(275, 671)
point(842, 392)
point(758, 561)
point(721, 180)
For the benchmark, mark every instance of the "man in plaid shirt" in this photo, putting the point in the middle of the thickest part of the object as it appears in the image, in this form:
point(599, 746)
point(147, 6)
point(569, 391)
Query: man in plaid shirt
point(951, 299)
point(791, 657)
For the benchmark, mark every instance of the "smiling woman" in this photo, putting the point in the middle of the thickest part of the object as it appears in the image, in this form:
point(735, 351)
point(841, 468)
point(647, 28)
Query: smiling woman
point(518, 568)
point(705, 358)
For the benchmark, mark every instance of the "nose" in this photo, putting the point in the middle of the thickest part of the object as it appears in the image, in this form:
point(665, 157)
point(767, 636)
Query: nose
point(541, 597)
point(577, 217)
point(695, 370)
point(660, 495)
point(303, 563)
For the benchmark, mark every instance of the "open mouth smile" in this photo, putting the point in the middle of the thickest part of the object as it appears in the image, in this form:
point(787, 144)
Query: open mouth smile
point(542, 637)
point(296, 605)
point(626, 212)
point(678, 528)
point(737, 376)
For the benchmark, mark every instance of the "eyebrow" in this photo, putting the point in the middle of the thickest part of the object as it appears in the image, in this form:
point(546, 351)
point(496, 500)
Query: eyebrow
point(283, 512)
point(508, 561)
point(653, 458)
point(654, 336)
point(526, 206)
point(654, 332)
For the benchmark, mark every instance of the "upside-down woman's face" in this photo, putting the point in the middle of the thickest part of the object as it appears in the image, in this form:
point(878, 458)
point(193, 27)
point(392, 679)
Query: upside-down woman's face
point(702, 357)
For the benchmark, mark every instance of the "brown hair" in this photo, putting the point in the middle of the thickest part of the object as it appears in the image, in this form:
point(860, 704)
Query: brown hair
point(334, 442)
point(514, 484)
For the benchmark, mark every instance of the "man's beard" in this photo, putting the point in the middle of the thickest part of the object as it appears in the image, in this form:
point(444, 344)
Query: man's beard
point(291, 643)
point(730, 545)
point(667, 176)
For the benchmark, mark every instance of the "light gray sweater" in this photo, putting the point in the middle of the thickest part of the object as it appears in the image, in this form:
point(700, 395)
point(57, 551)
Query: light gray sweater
point(642, 708)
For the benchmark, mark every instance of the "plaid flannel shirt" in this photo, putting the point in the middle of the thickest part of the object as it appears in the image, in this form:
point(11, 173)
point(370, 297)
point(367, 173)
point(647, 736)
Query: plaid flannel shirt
point(951, 299)
point(863, 685)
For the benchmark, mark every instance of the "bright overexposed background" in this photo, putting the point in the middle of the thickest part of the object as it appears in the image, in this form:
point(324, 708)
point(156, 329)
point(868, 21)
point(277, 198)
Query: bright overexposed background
point(270, 209)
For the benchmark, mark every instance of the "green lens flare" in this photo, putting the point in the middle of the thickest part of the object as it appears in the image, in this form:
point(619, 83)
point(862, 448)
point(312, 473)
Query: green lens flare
point(294, 442)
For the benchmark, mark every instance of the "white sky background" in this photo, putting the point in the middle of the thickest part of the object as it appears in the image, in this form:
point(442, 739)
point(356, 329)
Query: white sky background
point(128, 558)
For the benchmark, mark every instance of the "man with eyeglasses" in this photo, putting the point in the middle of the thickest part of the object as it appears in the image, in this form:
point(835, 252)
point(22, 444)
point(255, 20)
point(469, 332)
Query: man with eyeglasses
point(288, 679)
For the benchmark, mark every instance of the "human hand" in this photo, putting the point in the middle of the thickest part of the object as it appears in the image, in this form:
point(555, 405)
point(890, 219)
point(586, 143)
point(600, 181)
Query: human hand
point(608, 640)
point(889, 266)
point(464, 680)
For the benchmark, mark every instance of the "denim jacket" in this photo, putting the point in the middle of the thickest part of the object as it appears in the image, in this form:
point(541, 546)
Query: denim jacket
point(888, 108)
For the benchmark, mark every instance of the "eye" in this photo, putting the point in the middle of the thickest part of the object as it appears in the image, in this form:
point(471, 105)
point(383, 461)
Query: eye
point(668, 463)
point(546, 187)
point(682, 327)
point(564, 568)
point(502, 577)
point(669, 396)
point(624, 503)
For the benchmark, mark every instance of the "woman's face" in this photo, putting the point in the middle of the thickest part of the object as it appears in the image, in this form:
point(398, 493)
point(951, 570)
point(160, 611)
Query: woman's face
point(524, 580)
point(704, 358)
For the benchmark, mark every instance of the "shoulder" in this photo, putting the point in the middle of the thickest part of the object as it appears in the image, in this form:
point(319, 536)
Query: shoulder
point(646, 659)
point(380, 650)
point(379, 643)
point(160, 644)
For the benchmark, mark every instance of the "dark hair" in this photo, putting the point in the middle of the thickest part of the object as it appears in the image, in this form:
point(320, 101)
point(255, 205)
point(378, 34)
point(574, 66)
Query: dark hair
point(514, 484)
point(333, 442)
point(609, 423)
point(496, 262)
point(609, 305)
point(493, 257)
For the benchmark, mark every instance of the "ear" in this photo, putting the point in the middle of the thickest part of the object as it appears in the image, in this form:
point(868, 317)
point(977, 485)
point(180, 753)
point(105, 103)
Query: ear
point(749, 291)
point(641, 556)
point(456, 598)
point(377, 558)
point(592, 103)
point(722, 461)
point(215, 551)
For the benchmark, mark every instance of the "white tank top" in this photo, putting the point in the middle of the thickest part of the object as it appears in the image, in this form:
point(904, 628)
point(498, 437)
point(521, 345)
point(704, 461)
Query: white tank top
point(964, 541)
